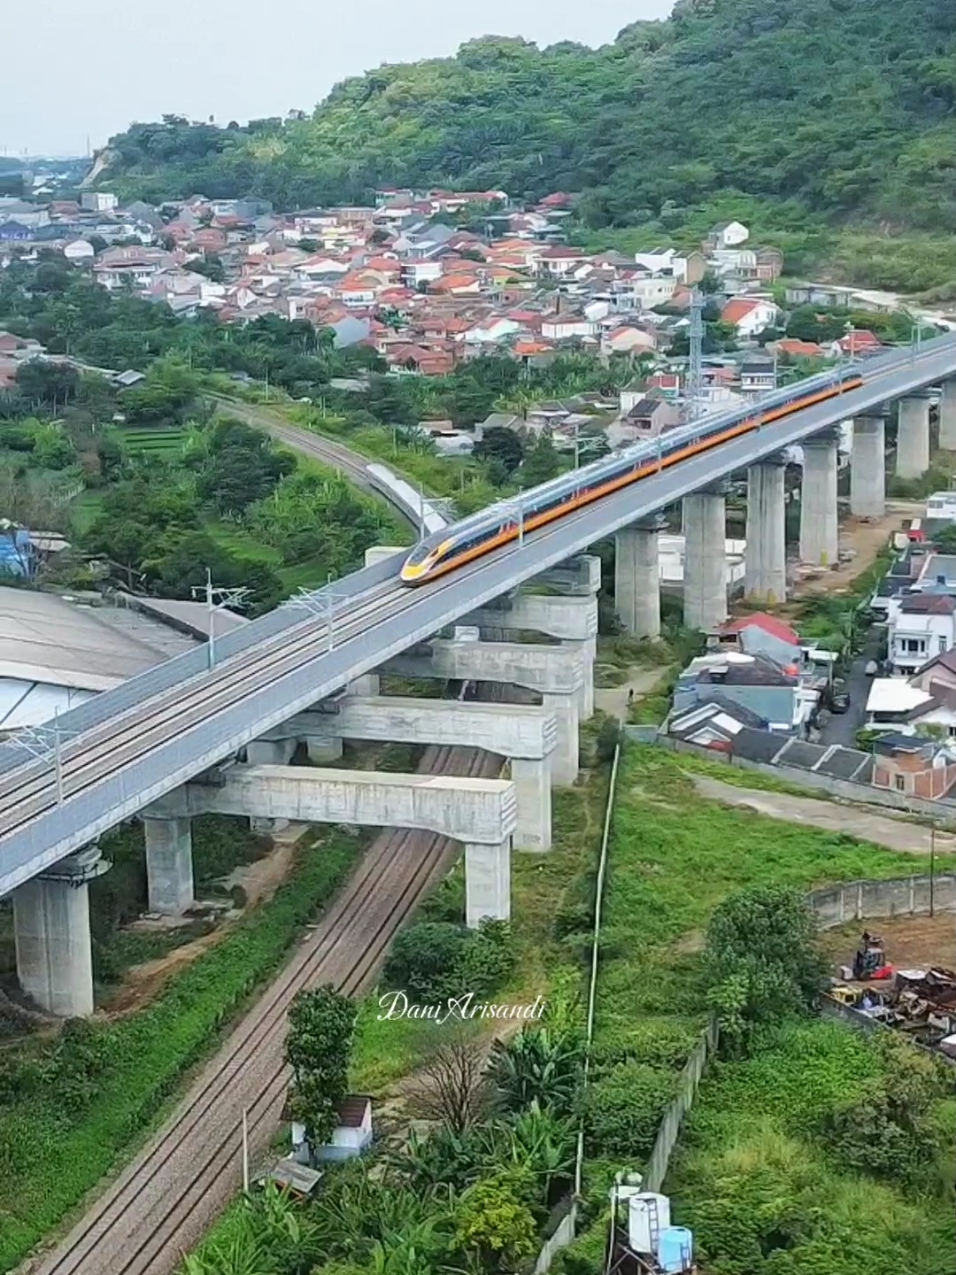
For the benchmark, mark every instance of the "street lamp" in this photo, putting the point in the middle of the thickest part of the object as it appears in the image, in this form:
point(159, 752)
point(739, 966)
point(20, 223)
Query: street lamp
point(514, 507)
point(916, 340)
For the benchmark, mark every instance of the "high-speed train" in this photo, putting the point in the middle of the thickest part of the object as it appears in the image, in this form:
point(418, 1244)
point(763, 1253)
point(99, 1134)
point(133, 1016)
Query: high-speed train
point(503, 522)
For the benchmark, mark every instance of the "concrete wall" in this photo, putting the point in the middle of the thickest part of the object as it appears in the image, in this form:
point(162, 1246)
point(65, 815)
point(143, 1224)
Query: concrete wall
point(561, 1235)
point(896, 896)
point(655, 1171)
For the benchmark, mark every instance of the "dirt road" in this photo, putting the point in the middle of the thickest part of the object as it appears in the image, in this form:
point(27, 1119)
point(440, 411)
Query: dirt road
point(882, 830)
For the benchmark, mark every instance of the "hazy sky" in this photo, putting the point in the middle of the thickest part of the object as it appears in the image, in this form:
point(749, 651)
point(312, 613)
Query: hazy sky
point(75, 70)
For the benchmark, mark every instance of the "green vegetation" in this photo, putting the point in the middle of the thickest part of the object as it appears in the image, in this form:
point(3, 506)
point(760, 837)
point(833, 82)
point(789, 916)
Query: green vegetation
point(758, 1165)
point(321, 1026)
point(825, 1151)
point(67, 1108)
point(794, 118)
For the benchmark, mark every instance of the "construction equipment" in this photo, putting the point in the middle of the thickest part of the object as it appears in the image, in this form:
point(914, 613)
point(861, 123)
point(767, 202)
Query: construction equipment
point(870, 959)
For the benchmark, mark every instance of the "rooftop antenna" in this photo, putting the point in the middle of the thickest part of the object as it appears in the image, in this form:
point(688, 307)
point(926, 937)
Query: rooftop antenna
point(694, 370)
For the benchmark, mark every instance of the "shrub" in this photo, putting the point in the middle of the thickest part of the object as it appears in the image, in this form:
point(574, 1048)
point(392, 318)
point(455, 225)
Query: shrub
point(624, 1109)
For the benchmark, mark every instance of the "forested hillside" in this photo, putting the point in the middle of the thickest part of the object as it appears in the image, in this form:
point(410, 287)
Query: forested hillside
point(844, 107)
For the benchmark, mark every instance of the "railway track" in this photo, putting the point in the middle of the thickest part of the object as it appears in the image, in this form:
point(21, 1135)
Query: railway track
point(162, 1204)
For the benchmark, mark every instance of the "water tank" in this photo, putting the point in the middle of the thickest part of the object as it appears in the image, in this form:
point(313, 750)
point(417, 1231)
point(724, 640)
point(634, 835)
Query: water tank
point(648, 1215)
point(675, 1249)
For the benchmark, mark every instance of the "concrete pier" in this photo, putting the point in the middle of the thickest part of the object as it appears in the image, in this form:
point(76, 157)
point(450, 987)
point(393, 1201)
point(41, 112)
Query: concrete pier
point(573, 620)
point(947, 417)
point(169, 864)
point(637, 584)
point(480, 813)
point(912, 436)
point(565, 760)
point(579, 576)
point(51, 921)
point(868, 467)
point(705, 563)
point(487, 883)
point(766, 552)
point(819, 530)
point(525, 734)
point(554, 672)
point(276, 749)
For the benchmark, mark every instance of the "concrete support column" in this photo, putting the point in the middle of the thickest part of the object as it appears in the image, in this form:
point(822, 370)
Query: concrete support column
point(868, 467)
point(169, 864)
point(51, 920)
point(487, 883)
point(323, 748)
point(947, 417)
point(705, 560)
point(588, 649)
point(366, 685)
point(766, 553)
point(819, 531)
point(565, 758)
point(532, 781)
point(912, 437)
point(637, 581)
point(271, 752)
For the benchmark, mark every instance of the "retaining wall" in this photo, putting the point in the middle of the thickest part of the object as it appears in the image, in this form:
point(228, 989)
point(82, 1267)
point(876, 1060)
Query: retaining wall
point(896, 896)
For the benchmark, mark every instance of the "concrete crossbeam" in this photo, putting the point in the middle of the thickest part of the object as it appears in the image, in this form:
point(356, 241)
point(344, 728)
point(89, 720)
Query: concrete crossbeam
point(511, 730)
point(766, 551)
point(819, 529)
point(558, 617)
point(947, 417)
point(705, 560)
point(525, 734)
point(554, 672)
point(912, 437)
point(868, 467)
point(552, 669)
point(637, 582)
point(479, 811)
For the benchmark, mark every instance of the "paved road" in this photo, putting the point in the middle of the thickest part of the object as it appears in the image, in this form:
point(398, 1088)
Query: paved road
point(841, 728)
point(882, 830)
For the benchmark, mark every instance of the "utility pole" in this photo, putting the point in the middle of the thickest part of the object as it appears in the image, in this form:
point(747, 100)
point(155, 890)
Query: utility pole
point(218, 598)
point(321, 603)
point(695, 376)
point(45, 741)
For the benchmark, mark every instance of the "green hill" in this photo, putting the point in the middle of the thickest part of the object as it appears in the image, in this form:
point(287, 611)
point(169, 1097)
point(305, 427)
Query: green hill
point(841, 109)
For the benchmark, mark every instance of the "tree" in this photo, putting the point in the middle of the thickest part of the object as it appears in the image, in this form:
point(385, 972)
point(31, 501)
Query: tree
point(493, 1218)
point(501, 446)
point(541, 464)
point(321, 1026)
point(452, 1086)
point(537, 1064)
point(763, 949)
point(53, 384)
point(425, 959)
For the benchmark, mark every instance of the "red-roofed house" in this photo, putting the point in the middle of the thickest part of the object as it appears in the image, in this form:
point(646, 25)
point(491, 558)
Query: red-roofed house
point(797, 349)
point(749, 315)
point(857, 341)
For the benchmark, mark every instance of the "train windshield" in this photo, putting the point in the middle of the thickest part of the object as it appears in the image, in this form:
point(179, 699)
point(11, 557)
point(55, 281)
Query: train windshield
point(422, 551)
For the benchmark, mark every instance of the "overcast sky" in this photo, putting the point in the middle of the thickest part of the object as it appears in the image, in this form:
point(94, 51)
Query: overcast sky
point(72, 71)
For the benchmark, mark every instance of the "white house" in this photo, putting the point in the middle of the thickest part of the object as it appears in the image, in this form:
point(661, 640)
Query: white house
point(656, 290)
point(492, 330)
point(352, 1135)
point(728, 234)
point(562, 327)
point(79, 251)
point(920, 626)
point(749, 315)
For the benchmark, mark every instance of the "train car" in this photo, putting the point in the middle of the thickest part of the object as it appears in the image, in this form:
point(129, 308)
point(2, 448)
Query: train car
point(504, 522)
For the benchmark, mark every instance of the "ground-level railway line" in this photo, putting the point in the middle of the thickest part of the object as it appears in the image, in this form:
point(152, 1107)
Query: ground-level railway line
point(162, 1204)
